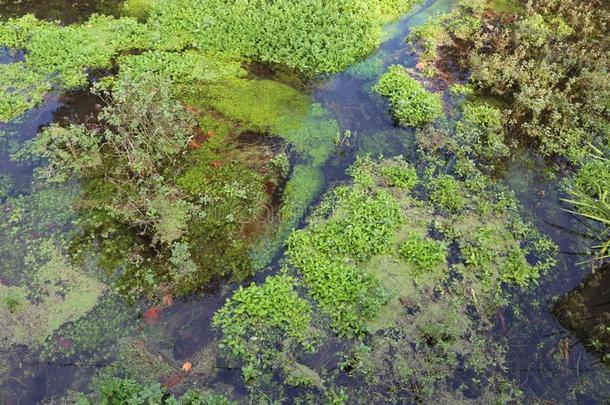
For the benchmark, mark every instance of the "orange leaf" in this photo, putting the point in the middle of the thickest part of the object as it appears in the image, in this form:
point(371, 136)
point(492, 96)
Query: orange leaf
point(168, 301)
point(151, 315)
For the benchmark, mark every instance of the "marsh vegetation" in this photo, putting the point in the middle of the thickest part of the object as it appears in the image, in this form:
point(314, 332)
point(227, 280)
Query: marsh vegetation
point(370, 201)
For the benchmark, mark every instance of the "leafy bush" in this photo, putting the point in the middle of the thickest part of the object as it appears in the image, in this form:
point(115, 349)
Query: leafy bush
point(412, 105)
point(425, 254)
point(258, 319)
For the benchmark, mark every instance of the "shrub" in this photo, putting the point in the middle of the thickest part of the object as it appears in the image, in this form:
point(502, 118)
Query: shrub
point(274, 31)
point(412, 105)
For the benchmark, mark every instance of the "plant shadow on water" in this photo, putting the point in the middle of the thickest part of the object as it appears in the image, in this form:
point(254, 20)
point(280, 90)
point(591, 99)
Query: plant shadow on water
point(184, 331)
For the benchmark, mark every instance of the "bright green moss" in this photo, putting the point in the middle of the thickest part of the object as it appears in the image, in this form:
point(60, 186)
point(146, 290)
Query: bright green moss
point(412, 105)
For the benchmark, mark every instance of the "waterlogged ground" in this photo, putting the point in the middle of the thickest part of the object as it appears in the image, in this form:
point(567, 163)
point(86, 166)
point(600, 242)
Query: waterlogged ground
point(544, 359)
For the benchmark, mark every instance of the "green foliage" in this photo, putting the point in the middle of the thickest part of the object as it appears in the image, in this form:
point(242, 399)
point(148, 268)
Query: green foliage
point(590, 196)
point(558, 101)
point(115, 391)
point(412, 105)
point(593, 177)
point(361, 225)
point(429, 36)
point(480, 132)
point(20, 89)
point(187, 68)
point(60, 56)
point(447, 193)
point(274, 32)
point(400, 174)
point(258, 319)
point(66, 151)
point(139, 9)
point(424, 253)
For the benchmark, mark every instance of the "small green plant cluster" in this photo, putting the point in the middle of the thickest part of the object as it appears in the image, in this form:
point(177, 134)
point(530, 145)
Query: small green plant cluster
point(115, 391)
point(400, 174)
point(256, 321)
point(447, 193)
point(412, 105)
point(480, 132)
point(361, 225)
point(424, 253)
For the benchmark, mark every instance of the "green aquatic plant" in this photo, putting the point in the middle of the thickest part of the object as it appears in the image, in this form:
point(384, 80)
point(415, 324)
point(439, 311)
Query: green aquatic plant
point(272, 32)
point(447, 193)
point(412, 105)
point(114, 390)
point(557, 104)
point(257, 320)
point(590, 197)
point(424, 253)
point(480, 132)
point(60, 56)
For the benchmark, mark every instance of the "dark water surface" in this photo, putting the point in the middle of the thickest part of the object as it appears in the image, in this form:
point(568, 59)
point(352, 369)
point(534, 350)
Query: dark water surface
point(184, 328)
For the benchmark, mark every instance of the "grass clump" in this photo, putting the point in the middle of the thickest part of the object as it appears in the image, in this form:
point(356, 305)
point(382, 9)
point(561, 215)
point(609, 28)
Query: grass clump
point(257, 320)
point(424, 253)
point(412, 105)
point(590, 197)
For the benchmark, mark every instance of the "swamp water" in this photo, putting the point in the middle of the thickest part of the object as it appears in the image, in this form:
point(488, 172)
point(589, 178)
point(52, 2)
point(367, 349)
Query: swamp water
point(544, 359)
